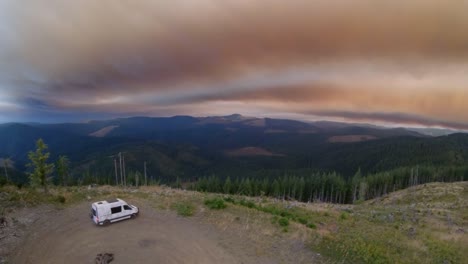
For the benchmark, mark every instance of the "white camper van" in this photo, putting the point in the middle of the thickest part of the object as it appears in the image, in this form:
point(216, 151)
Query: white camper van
point(106, 212)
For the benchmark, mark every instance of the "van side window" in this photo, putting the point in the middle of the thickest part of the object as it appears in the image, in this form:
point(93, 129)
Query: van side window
point(126, 207)
point(115, 210)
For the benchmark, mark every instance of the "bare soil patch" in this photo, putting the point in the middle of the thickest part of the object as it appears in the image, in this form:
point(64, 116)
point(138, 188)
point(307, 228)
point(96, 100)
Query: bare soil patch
point(351, 138)
point(250, 151)
point(103, 132)
point(49, 235)
point(69, 236)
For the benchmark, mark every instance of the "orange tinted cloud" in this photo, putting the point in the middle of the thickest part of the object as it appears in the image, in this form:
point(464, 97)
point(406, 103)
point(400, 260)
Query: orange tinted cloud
point(297, 56)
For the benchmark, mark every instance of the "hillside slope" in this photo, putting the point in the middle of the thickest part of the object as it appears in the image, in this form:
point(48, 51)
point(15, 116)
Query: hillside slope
point(423, 224)
point(188, 147)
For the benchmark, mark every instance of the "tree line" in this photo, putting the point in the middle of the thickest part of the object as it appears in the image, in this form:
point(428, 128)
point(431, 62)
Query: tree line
point(42, 173)
point(305, 186)
point(330, 186)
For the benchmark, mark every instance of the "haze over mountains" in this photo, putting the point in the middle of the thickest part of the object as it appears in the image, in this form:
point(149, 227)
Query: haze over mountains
point(190, 147)
point(385, 62)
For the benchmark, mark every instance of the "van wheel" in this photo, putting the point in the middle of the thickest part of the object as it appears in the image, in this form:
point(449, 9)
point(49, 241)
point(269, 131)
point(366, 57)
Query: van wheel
point(106, 223)
point(133, 216)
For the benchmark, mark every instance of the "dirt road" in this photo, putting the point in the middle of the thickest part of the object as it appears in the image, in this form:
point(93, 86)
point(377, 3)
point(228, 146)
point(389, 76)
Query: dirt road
point(69, 236)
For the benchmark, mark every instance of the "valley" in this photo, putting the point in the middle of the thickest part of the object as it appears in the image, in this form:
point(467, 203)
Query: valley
point(187, 148)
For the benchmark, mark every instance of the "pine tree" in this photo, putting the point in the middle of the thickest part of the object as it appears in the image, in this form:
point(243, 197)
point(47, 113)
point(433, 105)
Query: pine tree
point(276, 189)
point(265, 189)
point(62, 169)
point(41, 169)
point(300, 189)
point(178, 183)
point(247, 187)
point(363, 186)
point(227, 187)
point(355, 184)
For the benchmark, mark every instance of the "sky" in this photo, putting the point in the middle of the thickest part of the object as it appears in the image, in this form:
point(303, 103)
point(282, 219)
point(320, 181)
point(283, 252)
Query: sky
point(398, 63)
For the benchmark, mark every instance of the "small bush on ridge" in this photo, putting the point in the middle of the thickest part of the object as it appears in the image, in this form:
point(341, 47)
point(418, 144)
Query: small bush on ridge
point(215, 203)
point(283, 221)
point(185, 209)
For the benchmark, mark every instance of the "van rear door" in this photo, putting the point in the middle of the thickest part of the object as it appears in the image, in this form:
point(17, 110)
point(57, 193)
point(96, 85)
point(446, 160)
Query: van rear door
point(94, 214)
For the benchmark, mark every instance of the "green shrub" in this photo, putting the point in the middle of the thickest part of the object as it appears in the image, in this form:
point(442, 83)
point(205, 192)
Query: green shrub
point(185, 209)
point(311, 226)
point(344, 216)
point(286, 214)
point(215, 203)
point(14, 197)
point(248, 204)
point(274, 219)
point(230, 200)
point(302, 220)
point(61, 199)
point(283, 222)
point(270, 209)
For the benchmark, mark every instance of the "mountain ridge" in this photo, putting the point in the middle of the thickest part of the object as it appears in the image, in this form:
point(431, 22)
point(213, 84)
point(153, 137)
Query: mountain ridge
point(188, 147)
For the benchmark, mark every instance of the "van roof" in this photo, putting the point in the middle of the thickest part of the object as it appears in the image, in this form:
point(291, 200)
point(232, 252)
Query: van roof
point(109, 201)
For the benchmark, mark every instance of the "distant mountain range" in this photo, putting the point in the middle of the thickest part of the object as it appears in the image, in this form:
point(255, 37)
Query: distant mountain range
point(189, 147)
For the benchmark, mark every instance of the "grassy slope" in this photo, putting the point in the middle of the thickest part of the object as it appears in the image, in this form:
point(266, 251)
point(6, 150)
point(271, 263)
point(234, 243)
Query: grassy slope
point(424, 224)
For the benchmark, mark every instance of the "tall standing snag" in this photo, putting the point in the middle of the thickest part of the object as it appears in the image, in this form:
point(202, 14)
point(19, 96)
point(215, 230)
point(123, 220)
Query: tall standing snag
point(121, 174)
point(115, 170)
point(6, 171)
point(146, 177)
point(124, 174)
point(41, 169)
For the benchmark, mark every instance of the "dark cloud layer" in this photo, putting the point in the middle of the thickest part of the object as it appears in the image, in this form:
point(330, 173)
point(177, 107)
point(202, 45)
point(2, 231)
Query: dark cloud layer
point(298, 57)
